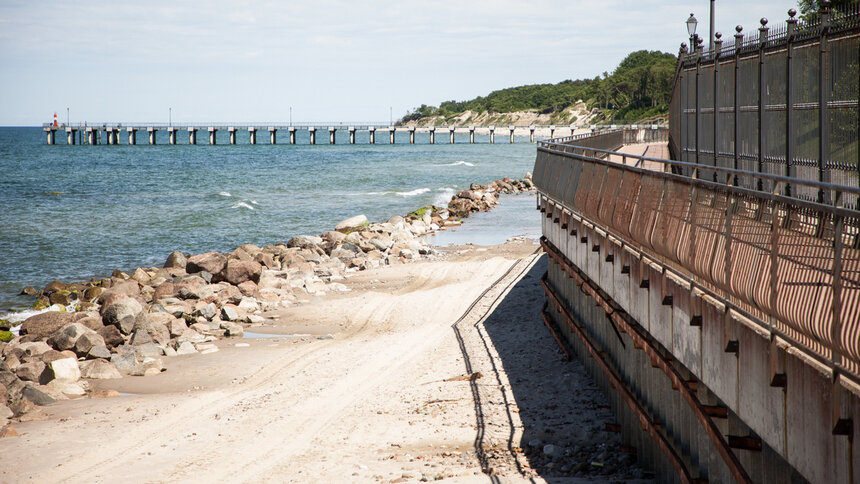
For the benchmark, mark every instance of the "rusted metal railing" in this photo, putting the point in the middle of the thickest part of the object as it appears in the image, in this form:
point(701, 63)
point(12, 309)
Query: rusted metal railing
point(789, 264)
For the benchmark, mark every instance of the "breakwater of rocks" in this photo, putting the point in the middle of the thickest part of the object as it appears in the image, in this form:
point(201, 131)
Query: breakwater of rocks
point(127, 323)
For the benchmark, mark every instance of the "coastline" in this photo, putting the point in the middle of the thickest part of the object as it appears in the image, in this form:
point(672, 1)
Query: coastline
point(126, 324)
point(371, 373)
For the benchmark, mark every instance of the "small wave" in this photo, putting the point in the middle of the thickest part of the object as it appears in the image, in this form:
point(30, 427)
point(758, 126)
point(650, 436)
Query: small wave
point(225, 194)
point(20, 316)
point(254, 202)
point(458, 163)
point(444, 197)
point(242, 205)
point(412, 193)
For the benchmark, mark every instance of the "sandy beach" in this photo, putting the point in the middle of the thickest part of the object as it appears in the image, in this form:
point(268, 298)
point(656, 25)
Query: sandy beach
point(424, 371)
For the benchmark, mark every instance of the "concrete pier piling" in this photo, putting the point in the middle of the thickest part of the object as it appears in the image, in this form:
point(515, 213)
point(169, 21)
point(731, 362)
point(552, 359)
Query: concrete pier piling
point(112, 132)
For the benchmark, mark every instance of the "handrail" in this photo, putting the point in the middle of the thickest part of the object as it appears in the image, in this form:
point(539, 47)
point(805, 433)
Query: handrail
point(549, 144)
point(769, 256)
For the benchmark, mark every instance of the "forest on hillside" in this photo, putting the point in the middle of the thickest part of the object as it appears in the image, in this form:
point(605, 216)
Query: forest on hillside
point(638, 88)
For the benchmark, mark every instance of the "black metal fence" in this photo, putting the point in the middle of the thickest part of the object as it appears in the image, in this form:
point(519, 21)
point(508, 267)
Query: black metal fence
point(781, 101)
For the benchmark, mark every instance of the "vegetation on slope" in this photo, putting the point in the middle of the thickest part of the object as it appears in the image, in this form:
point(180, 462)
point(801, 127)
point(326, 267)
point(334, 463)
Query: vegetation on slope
point(638, 88)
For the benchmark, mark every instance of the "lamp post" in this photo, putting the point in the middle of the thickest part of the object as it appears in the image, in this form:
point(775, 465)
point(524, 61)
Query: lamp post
point(291, 116)
point(691, 29)
point(68, 122)
point(711, 33)
point(170, 116)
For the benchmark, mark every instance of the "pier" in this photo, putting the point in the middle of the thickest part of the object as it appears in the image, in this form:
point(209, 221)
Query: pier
point(364, 133)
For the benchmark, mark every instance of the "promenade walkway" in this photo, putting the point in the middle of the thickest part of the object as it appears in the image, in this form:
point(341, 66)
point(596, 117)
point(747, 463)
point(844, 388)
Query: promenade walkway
point(651, 150)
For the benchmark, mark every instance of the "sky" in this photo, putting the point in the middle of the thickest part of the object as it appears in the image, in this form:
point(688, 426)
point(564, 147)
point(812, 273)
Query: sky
point(328, 61)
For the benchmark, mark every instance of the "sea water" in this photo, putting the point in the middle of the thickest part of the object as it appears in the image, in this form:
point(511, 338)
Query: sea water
point(71, 213)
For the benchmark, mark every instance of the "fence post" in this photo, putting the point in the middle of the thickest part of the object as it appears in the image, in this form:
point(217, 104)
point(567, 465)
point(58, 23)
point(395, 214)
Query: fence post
point(789, 101)
point(739, 42)
point(682, 105)
point(836, 270)
point(762, 40)
point(824, 97)
point(718, 43)
point(698, 75)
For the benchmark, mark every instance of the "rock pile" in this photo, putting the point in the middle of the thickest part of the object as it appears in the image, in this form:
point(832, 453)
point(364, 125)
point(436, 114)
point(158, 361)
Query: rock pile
point(126, 324)
point(479, 198)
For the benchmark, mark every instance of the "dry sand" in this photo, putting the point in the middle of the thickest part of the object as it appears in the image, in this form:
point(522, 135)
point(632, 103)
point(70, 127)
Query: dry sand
point(388, 399)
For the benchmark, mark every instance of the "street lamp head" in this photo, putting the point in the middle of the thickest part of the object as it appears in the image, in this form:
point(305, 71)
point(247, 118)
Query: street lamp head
point(691, 25)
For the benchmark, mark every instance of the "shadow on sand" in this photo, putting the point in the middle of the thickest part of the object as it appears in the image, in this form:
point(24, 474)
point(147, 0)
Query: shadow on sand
point(536, 414)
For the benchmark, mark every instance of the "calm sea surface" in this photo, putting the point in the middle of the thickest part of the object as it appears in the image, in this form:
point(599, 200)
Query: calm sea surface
point(75, 212)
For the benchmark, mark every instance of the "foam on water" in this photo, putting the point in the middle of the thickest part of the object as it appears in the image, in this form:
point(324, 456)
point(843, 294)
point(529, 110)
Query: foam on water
point(412, 193)
point(225, 194)
point(243, 205)
point(458, 163)
point(444, 196)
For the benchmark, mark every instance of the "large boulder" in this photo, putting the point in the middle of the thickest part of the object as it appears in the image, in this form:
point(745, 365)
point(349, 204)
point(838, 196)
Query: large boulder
point(36, 396)
point(66, 338)
point(267, 260)
point(43, 325)
point(87, 341)
point(30, 371)
point(305, 241)
point(99, 370)
point(122, 313)
point(351, 223)
point(176, 259)
point(65, 369)
point(33, 348)
point(112, 336)
point(211, 262)
point(129, 288)
point(239, 271)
